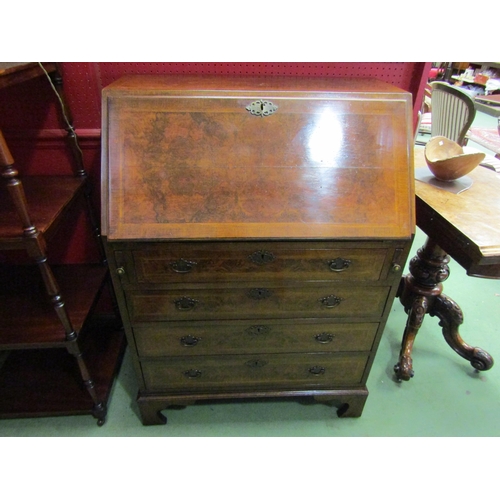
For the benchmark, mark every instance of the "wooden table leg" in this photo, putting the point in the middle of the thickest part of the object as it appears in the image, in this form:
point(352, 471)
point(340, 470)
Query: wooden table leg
point(420, 293)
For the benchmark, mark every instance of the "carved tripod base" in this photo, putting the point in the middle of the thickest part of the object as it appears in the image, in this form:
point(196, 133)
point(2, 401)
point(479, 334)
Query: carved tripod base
point(420, 292)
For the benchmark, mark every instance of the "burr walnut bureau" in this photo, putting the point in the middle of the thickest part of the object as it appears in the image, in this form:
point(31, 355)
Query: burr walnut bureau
point(256, 230)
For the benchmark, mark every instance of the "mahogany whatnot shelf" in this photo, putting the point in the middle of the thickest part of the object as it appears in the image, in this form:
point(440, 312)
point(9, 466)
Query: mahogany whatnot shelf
point(58, 357)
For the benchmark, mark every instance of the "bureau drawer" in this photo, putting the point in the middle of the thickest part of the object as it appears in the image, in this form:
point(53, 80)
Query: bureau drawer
point(242, 337)
point(232, 372)
point(211, 262)
point(312, 301)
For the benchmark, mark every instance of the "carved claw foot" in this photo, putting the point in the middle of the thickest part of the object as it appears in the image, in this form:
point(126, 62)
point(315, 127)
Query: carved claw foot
point(403, 369)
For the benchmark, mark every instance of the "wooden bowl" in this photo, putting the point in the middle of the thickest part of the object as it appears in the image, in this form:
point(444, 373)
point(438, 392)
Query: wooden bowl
point(447, 160)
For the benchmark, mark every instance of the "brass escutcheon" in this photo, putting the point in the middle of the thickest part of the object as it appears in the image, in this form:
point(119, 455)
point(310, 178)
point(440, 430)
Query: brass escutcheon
point(261, 257)
point(259, 293)
point(262, 108)
point(258, 330)
point(257, 363)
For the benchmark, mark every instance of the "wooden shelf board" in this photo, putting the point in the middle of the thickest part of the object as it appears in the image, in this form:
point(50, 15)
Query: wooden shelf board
point(28, 319)
point(12, 73)
point(39, 383)
point(48, 198)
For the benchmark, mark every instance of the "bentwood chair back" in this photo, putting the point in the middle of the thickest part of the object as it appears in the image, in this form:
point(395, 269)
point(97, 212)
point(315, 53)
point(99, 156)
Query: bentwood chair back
point(452, 111)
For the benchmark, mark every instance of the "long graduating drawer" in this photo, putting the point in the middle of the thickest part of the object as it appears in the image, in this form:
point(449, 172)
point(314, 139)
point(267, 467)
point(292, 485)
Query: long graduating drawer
point(326, 301)
point(258, 371)
point(202, 263)
point(241, 337)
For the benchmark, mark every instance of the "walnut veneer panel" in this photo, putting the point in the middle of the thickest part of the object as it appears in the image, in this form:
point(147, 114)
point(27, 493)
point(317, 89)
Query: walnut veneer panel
point(186, 159)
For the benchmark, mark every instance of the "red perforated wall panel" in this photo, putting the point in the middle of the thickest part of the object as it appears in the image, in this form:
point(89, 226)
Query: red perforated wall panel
point(29, 116)
point(84, 81)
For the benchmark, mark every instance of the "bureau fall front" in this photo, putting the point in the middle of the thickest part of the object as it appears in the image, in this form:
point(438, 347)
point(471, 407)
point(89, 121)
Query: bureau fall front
point(256, 230)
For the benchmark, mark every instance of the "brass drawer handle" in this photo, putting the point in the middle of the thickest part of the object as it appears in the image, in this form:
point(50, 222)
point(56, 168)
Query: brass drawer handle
point(259, 293)
point(185, 304)
point(190, 341)
point(183, 266)
point(262, 257)
point(317, 370)
point(339, 264)
point(331, 301)
point(324, 337)
point(192, 373)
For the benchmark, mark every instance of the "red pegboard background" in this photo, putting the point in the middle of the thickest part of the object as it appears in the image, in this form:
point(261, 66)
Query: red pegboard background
point(31, 105)
point(84, 81)
point(28, 113)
